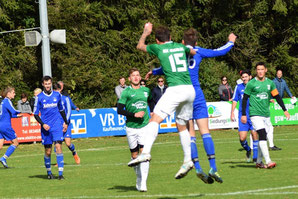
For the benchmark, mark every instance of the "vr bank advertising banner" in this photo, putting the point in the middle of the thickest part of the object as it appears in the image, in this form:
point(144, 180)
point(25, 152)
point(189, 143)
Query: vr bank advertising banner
point(106, 121)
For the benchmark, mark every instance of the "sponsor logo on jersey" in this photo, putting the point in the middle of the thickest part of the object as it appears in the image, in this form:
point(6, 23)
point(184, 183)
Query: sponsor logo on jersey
point(257, 87)
point(51, 105)
point(79, 125)
point(55, 100)
point(262, 96)
point(140, 105)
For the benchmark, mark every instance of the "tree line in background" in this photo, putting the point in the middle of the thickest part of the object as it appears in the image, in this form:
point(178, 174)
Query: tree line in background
point(102, 38)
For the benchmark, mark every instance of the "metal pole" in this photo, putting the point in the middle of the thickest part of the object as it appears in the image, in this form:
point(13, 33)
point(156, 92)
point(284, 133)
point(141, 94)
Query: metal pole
point(45, 47)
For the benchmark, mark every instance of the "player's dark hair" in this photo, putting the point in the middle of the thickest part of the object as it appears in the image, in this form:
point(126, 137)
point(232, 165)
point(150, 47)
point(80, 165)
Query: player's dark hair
point(260, 64)
point(132, 70)
point(162, 34)
point(23, 95)
point(7, 90)
point(56, 86)
point(46, 78)
point(190, 37)
point(246, 71)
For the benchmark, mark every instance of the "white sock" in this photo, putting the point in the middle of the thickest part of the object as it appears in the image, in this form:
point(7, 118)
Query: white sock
point(260, 156)
point(270, 136)
point(251, 141)
point(150, 136)
point(185, 142)
point(265, 151)
point(144, 169)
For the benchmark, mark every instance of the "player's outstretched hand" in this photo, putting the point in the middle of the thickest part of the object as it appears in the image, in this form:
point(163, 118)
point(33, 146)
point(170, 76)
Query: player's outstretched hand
point(46, 127)
point(147, 76)
point(287, 114)
point(148, 28)
point(232, 37)
point(243, 119)
point(139, 114)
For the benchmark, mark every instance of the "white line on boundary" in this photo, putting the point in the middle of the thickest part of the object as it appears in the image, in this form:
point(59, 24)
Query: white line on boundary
point(248, 192)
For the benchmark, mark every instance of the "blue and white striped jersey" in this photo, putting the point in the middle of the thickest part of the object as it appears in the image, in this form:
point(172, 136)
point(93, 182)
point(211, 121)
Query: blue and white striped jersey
point(7, 111)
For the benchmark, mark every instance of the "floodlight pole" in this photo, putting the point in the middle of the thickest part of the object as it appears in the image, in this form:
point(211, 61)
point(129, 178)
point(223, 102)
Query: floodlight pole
point(45, 46)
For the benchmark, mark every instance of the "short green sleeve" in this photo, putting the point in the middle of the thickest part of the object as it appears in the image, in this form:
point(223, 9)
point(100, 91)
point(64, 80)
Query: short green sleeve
point(123, 97)
point(152, 49)
point(248, 88)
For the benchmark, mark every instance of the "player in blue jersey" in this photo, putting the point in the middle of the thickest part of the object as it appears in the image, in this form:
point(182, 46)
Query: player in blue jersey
point(244, 128)
point(7, 111)
point(50, 106)
point(67, 102)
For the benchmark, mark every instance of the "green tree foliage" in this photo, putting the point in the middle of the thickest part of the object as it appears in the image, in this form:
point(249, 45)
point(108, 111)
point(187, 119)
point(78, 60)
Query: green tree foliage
point(102, 38)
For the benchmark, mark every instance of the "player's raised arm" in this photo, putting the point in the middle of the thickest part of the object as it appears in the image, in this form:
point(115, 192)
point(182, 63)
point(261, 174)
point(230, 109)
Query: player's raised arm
point(147, 31)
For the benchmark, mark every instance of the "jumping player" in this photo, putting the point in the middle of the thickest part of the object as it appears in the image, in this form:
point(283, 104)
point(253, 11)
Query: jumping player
point(258, 91)
point(49, 104)
point(133, 104)
point(244, 128)
point(7, 112)
point(178, 97)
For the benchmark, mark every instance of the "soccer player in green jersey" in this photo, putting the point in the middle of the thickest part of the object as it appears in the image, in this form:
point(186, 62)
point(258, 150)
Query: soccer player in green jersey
point(258, 90)
point(178, 97)
point(133, 104)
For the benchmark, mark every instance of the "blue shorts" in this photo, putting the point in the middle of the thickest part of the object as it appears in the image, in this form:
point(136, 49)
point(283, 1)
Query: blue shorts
point(54, 134)
point(199, 105)
point(245, 127)
point(67, 134)
point(7, 133)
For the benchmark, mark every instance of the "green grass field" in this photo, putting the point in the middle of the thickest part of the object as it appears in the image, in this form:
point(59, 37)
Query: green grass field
point(104, 173)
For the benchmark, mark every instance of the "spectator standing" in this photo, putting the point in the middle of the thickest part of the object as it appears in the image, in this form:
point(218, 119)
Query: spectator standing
point(32, 100)
point(159, 90)
point(225, 90)
point(281, 85)
point(24, 105)
point(120, 87)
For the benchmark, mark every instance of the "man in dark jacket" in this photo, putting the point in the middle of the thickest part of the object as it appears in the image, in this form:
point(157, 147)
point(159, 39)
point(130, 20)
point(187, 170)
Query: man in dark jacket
point(281, 85)
point(159, 90)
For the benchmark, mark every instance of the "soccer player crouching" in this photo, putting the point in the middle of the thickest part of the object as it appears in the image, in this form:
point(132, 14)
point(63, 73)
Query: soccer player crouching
point(133, 104)
point(244, 128)
point(7, 111)
point(50, 106)
point(258, 90)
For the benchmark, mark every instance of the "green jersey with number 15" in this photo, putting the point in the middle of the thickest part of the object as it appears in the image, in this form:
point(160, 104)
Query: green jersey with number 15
point(173, 59)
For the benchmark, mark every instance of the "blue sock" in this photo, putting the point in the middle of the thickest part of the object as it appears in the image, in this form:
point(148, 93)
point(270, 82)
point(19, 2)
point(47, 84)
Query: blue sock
point(209, 148)
point(255, 149)
point(245, 145)
point(60, 162)
point(47, 163)
point(194, 153)
point(72, 149)
point(9, 151)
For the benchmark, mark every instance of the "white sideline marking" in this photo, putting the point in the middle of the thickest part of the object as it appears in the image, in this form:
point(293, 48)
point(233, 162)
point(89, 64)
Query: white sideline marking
point(248, 192)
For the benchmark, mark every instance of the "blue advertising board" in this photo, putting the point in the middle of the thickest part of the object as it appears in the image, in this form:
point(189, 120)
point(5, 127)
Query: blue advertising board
point(106, 122)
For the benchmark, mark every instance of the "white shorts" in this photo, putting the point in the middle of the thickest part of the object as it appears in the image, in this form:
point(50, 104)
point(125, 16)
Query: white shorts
point(136, 137)
point(259, 122)
point(176, 98)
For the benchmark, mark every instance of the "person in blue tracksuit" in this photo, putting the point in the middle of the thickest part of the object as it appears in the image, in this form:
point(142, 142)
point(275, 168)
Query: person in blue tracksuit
point(7, 112)
point(244, 128)
point(50, 107)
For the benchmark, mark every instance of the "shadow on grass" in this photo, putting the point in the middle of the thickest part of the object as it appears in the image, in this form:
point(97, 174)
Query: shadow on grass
point(121, 188)
point(45, 177)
